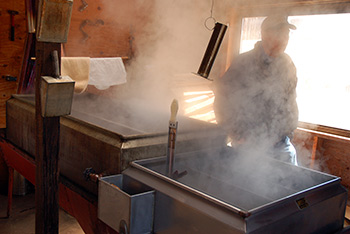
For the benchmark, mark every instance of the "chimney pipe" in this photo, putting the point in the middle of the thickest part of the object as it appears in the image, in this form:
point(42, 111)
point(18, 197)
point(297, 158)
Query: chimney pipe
point(212, 50)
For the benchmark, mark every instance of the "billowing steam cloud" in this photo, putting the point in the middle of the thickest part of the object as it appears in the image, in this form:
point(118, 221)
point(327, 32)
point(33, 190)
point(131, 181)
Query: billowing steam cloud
point(173, 43)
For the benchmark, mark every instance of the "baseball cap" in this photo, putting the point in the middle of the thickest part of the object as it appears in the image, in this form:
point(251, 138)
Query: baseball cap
point(276, 22)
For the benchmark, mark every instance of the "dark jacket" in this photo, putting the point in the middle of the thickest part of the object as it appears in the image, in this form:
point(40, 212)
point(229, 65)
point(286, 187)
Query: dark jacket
point(255, 100)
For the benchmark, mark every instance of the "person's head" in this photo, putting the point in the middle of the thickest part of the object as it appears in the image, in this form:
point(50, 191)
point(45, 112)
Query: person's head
point(275, 34)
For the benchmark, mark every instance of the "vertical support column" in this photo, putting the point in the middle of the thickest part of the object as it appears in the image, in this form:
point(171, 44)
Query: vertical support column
point(10, 190)
point(314, 151)
point(47, 147)
point(316, 147)
point(53, 19)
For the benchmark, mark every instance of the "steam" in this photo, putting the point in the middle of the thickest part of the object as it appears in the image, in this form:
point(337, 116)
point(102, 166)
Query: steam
point(243, 179)
point(305, 154)
point(255, 107)
point(173, 42)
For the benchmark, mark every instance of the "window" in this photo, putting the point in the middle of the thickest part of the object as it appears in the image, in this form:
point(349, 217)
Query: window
point(320, 49)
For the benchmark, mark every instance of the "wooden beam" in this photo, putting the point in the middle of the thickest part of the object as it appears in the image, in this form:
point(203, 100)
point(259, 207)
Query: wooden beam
point(325, 135)
point(10, 190)
point(47, 147)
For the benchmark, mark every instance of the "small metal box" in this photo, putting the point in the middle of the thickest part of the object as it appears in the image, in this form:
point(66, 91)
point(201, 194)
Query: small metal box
point(56, 96)
point(125, 203)
point(54, 20)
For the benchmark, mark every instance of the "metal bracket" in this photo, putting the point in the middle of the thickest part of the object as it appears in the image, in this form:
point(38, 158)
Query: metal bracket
point(9, 78)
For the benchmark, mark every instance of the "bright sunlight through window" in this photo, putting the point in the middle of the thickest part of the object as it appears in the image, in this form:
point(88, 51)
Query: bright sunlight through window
point(320, 49)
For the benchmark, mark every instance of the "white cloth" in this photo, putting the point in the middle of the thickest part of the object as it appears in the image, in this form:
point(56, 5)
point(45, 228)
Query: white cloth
point(106, 72)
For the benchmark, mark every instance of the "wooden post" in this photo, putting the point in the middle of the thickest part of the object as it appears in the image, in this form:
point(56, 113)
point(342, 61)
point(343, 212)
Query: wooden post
point(47, 148)
point(53, 18)
point(10, 190)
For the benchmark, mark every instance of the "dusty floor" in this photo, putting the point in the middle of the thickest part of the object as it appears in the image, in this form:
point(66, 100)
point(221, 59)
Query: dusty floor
point(22, 220)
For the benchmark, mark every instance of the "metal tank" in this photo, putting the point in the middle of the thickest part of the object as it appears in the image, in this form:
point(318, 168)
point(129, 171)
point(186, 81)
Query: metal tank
point(106, 134)
point(221, 191)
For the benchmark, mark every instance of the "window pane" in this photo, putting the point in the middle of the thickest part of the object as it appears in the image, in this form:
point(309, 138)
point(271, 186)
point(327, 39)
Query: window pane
point(320, 49)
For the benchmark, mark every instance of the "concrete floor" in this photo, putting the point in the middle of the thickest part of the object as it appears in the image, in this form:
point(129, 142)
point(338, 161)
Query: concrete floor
point(22, 220)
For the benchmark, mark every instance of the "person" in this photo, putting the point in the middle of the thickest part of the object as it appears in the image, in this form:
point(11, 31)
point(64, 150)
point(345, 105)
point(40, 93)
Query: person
point(255, 100)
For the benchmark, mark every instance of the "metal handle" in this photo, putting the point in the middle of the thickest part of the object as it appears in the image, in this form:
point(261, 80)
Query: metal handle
point(55, 63)
point(123, 227)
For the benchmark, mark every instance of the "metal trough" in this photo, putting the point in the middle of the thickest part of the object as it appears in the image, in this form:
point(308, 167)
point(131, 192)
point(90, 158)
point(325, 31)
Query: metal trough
point(106, 134)
point(223, 192)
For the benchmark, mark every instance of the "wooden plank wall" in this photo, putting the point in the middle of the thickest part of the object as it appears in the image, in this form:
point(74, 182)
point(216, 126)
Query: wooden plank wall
point(336, 156)
point(106, 28)
point(11, 52)
point(324, 152)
